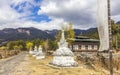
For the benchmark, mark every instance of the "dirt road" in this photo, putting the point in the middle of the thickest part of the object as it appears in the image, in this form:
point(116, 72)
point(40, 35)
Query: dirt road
point(8, 65)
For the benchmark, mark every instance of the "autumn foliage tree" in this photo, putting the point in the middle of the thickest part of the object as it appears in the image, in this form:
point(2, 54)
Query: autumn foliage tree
point(29, 45)
point(69, 33)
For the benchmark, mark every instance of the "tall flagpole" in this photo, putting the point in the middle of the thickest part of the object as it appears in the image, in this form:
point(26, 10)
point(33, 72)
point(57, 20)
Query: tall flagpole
point(110, 38)
point(109, 26)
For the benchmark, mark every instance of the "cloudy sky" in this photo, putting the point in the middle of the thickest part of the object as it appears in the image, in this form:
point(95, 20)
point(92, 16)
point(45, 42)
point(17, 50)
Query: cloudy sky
point(51, 14)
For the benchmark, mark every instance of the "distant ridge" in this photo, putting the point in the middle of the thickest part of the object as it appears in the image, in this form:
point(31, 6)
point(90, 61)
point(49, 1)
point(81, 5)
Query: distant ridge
point(118, 22)
point(9, 34)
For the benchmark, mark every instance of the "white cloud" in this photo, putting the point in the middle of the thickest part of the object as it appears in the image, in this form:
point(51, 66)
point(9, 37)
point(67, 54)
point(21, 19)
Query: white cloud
point(115, 9)
point(10, 18)
point(7, 14)
point(79, 12)
point(56, 23)
point(82, 13)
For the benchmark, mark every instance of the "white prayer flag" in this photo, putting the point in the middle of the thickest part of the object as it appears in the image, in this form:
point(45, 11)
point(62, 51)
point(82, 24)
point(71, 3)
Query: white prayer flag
point(102, 20)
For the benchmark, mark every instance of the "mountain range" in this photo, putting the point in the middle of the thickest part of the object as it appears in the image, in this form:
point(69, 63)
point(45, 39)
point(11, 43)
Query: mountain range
point(10, 34)
point(118, 23)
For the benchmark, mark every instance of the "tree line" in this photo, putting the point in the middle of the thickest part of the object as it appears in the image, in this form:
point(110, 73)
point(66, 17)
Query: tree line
point(115, 35)
point(50, 45)
point(47, 45)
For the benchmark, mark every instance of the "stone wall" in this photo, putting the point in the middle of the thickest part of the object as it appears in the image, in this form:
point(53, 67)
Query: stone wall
point(101, 59)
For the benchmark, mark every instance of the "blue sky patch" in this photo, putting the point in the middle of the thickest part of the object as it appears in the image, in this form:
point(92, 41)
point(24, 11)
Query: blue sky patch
point(38, 1)
point(28, 7)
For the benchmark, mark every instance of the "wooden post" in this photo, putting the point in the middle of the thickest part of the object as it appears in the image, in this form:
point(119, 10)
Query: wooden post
point(116, 42)
point(110, 59)
point(110, 38)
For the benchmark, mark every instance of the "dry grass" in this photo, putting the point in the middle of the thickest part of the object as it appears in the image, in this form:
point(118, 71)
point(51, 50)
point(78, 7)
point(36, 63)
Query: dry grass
point(31, 66)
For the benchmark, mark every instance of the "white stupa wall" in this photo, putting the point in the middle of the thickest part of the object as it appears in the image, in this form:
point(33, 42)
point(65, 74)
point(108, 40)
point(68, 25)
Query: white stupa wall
point(35, 51)
point(40, 54)
point(63, 56)
point(63, 59)
point(30, 50)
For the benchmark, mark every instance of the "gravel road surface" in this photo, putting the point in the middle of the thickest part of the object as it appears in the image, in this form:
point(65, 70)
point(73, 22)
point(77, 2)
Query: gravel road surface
point(8, 65)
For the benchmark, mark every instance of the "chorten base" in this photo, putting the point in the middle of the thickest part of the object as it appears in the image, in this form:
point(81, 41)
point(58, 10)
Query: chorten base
point(40, 57)
point(64, 61)
point(30, 52)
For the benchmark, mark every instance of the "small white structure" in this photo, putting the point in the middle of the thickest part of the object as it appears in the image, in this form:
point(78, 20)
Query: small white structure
point(63, 56)
point(35, 51)
point(30, 50)
point(40, 54)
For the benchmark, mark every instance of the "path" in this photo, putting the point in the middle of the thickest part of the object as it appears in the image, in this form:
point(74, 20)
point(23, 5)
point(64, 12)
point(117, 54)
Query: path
point(8, 65)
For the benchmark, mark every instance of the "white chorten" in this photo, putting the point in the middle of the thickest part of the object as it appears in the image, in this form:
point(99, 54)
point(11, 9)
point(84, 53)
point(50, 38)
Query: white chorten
point(40, 54)
point(35, 51)
point(30, 50)
point(63, 56)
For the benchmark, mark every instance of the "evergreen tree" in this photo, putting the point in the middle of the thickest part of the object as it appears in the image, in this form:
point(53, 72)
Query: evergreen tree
point(115, 31)
point(36, 42)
